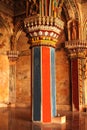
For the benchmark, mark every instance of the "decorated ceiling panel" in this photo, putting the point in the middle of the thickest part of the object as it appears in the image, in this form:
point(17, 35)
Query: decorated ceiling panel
point(17, 7)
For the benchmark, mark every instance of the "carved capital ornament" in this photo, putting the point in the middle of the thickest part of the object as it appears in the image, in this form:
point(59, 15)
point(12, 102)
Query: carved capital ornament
point(43, 30)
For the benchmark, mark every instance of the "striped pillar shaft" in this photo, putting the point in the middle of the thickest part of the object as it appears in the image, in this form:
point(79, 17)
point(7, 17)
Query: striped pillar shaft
point(43, 84)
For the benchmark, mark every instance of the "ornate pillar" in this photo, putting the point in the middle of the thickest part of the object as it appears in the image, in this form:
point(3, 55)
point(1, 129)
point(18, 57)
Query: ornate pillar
point(13, 56)
point(43, 26)
point(43, 33)
point(76, 49)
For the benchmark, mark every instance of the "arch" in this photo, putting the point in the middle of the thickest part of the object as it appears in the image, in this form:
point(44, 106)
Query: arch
point(71, 5)
point(4, 24)
point(85, 30)
point(18, 28)
point(72, 15)
point(75, 8)
point(5, 32)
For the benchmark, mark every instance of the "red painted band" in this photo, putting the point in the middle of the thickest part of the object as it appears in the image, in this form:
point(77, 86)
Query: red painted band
point(75, 94)
point(46, 98)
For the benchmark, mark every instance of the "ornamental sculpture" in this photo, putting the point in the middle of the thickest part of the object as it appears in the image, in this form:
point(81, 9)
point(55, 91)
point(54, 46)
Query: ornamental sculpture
point(43, 24)
point(44, 8)
point(32, 7)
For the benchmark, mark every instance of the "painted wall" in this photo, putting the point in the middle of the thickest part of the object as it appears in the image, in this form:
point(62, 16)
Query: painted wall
point(5, 33)
point(23, 73)
point(62, 80)
point(4, 79)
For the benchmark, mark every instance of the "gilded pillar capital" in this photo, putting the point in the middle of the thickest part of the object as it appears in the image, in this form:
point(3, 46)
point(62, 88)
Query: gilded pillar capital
point(76, 48)
point(12, 55)
point(43, 30)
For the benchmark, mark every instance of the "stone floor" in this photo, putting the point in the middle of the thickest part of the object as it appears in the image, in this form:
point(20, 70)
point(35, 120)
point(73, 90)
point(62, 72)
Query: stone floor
point(19, 119)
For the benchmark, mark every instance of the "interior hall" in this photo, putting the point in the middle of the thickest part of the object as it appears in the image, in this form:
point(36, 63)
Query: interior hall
point(43, 63)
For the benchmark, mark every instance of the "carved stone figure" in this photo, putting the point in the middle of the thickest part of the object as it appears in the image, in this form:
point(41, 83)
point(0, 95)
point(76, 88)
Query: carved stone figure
point(60, 4)
point(74, 30)
point(32, 7)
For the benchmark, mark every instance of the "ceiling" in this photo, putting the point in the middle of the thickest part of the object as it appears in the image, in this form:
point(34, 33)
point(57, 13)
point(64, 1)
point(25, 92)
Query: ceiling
point(17, 7)
point(13, 7)
point(82, 1)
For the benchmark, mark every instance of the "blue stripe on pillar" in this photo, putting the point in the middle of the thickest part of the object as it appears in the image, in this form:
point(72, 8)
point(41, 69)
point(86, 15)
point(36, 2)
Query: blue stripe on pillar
point(53, 84)
point(36, 84)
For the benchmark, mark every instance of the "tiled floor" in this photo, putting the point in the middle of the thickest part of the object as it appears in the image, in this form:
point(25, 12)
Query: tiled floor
point(19, 119)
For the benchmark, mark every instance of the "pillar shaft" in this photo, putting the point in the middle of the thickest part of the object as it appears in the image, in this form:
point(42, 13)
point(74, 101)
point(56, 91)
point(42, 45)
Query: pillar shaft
point(44, 88)
point(76, 51)
point(74, 80)
point(12, 56)
point(77, 79)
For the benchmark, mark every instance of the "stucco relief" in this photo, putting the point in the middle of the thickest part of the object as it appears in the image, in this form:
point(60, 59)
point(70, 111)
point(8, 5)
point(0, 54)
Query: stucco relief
point(4, 40)
point(73, 30)
point(6, 29)
point(85, 31)
point(32, 7)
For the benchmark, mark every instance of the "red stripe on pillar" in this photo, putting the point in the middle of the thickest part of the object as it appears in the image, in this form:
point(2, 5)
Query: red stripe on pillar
point(75, 94)
point(46, 103)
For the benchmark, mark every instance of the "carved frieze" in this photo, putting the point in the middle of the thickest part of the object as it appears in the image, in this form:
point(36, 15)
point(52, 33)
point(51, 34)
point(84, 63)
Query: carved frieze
point(76, 48)
point(43, 30)
point(12, 55)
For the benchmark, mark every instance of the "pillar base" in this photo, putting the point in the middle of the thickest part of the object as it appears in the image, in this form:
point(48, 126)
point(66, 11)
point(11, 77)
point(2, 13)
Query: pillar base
point(12, 105)
point(61, 119)
point(3, 105)
point(49, 126)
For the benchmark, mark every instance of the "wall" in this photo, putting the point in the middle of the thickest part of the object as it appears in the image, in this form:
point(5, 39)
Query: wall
point(62, 80)
point(23, 72)
point(4, 79)
point(5, 33)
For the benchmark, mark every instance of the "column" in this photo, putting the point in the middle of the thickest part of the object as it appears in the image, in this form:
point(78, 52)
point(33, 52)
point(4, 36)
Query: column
point(13, 56)
point(43, 33)
point(43, 76)
point(74, 80)
point(76, 51)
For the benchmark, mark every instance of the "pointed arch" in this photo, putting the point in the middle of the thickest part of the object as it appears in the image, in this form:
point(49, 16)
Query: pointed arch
point(71, 9)
point(85, 30)
point(3, 23)
point(18, 28)
point(71, 15)
point(5, 33)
